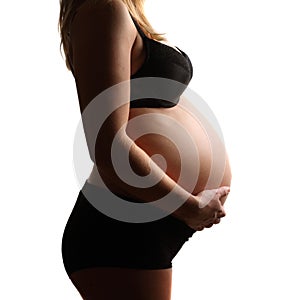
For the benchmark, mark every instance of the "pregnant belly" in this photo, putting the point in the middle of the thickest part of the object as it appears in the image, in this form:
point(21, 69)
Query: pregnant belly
point(183, 144)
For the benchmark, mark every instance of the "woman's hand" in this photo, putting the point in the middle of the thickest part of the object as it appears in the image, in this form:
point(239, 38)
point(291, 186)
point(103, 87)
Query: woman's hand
point(207, 210)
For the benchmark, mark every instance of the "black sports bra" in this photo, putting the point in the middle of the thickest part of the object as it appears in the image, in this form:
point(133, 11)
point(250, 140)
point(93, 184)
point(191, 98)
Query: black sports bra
point(162, 61)
point(166, 62)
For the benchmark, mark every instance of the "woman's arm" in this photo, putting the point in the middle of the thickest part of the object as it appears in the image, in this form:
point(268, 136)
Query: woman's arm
point(102, 37)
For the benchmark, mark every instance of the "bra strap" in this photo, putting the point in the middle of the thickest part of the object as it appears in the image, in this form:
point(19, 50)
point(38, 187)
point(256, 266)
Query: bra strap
point(139, 29)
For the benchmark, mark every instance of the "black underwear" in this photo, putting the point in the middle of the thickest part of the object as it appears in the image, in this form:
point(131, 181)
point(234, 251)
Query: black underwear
point(93, 239)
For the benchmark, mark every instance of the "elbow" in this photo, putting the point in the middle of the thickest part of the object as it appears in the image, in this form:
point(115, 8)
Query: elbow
point(111, 151)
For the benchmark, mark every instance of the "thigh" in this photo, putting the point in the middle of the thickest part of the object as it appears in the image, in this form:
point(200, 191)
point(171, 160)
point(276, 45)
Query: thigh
point(112, 283)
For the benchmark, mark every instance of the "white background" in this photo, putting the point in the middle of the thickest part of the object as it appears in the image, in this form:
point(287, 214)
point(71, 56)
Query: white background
point(246, 67)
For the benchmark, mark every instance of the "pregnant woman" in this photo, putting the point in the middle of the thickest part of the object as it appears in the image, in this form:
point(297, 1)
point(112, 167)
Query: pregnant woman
point(112, 44)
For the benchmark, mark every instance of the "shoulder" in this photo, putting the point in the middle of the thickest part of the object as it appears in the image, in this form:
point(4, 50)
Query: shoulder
point(101, 39)
point(107, 16)
point(92, 8)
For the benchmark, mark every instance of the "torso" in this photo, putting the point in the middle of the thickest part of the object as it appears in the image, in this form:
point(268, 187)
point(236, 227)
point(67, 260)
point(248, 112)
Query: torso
point(158, 144)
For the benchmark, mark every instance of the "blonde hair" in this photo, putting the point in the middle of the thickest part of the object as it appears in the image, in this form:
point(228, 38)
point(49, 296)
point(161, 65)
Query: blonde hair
point(68, 10)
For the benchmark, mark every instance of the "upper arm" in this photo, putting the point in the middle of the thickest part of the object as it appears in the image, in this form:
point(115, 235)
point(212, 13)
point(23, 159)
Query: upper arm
point(101, 39)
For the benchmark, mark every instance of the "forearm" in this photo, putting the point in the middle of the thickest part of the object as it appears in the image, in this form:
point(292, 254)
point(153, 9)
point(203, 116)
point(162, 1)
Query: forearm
point(112, 167)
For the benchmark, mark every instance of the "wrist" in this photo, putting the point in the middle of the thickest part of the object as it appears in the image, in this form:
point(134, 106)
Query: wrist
point(185, 210)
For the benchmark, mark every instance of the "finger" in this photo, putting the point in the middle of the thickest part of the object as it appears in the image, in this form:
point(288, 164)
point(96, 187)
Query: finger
point(223, 199)
point(217, 221)
point(211, 219)
point(209, 225)
point(218, 209)
point(208, 222)
point(200, 228)
point(206, 196)
point(221, 212)
point(223, 191)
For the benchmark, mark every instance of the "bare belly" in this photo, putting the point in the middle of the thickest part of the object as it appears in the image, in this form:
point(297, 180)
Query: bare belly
point(182, 143)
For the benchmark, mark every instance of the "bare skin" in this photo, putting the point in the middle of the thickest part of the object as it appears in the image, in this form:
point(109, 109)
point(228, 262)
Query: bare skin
point(121, 283)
